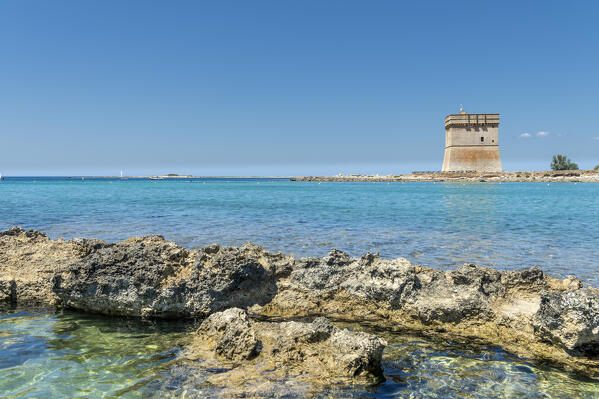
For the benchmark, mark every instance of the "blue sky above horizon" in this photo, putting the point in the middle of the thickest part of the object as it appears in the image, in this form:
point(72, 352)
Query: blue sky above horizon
point(290, 87)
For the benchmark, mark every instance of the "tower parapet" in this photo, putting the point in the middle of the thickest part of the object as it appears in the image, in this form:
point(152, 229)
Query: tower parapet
point(472, 143)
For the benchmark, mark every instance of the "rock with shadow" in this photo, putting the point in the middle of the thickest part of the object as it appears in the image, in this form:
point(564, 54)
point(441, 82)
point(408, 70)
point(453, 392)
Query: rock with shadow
point(151, 277)
point(260, 353)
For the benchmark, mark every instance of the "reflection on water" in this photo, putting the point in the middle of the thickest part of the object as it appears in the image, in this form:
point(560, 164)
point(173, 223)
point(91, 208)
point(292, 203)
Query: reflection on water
point(425, 370)
point(45, 355)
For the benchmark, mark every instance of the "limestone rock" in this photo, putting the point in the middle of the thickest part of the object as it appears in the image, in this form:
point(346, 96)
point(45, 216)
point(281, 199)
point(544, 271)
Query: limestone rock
point(341, 352)
point(357, 353)
point(368, 277)
point(225, 277)
point(424, 294)
point(126, 278)
point(232, 333)
point(149, 276)
point(317, 351)
point(28, 262)
point(570, 319)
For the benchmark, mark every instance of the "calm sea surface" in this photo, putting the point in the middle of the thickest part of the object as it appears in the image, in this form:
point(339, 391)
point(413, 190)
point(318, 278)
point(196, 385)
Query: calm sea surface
point(508, 226)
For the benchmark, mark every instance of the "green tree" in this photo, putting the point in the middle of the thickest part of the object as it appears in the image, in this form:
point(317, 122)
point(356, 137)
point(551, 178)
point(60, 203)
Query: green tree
point(562, 162)
point(596, 167)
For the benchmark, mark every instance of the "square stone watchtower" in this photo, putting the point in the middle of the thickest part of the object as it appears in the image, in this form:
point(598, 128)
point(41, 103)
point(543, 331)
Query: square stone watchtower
point(471, 143)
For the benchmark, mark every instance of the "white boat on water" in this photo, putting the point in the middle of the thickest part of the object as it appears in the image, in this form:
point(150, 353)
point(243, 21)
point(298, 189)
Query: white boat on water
point(1, 178)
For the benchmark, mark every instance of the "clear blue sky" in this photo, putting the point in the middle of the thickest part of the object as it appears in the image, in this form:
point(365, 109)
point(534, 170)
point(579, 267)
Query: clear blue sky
point(290, 87)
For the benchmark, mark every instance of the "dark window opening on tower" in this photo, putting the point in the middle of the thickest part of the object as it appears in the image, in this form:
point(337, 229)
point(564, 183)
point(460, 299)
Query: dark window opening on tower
point(482, 139)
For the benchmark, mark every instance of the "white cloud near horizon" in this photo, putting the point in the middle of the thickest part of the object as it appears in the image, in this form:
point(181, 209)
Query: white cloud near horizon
point(538, 134)
point(596, 138)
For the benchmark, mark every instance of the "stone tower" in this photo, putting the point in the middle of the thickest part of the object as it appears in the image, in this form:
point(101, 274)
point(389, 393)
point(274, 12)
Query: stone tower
point(471, 143)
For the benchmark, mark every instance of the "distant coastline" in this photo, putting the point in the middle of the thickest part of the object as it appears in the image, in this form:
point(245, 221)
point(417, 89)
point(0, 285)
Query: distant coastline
point(591, 176)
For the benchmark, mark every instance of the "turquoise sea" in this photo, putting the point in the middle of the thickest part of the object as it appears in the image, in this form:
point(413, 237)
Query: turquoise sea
point(505, 225)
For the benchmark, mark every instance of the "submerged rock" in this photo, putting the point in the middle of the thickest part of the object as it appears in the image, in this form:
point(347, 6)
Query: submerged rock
point(525, 311)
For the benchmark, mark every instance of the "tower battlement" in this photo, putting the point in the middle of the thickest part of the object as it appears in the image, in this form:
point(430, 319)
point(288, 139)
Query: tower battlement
point(472, 120)
point(472, 143)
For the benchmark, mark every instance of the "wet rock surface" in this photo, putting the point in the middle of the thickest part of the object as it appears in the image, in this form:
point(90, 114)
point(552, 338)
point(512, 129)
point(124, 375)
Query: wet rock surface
point(231, 334)
point(316, 352)
point(525, 312)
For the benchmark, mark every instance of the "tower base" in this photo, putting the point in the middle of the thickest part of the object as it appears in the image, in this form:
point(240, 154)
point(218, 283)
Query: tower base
point(472, 159)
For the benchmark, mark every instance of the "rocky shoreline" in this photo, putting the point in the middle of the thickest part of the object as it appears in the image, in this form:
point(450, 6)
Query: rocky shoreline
point(590, 176)
point(242, 293)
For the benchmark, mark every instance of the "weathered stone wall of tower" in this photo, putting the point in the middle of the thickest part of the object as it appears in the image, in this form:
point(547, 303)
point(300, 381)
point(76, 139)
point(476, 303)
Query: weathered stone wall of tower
point(472, 143)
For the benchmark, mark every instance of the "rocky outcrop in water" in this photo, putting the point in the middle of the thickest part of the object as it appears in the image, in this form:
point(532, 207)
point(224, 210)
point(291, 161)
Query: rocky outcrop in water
point(525, 311)
point(151, 277)
point(316, 350)
point(231, 334)
point(28, 262)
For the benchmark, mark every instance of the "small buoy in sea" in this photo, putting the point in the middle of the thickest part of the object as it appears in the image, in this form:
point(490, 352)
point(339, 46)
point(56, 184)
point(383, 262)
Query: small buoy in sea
point(83, 178)
point(318, 182)
point(548, 184)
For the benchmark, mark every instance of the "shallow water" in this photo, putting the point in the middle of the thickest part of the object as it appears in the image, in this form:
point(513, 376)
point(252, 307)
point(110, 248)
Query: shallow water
point(509, 225)
point(72, 355)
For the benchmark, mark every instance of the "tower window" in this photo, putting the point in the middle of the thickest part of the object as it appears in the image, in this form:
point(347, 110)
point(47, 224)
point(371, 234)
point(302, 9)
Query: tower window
point(482, 139)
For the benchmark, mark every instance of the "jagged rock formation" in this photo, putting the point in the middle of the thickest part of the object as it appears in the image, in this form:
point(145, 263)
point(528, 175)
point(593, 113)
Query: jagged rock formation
point(525, 311)
point(231, 334)
point(149, 276)
point(28, 262)
point(298, 349)
point(570, 319)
